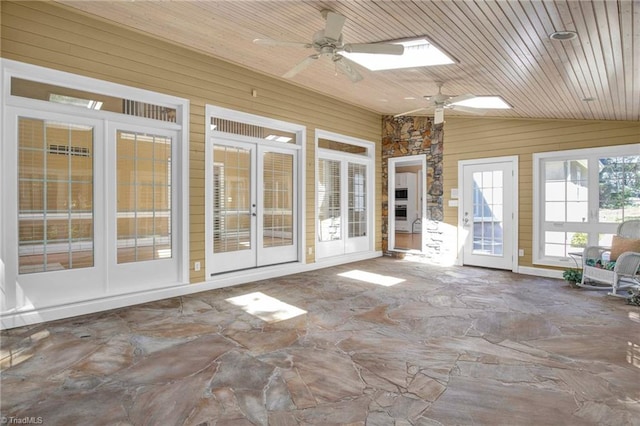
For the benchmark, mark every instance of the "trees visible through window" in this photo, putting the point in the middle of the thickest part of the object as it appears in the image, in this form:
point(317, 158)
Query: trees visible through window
point(583, 196)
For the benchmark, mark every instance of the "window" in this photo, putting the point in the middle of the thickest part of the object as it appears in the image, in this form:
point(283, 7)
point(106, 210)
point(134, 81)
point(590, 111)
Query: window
point(144, 197)
point(90, 100)
point(94, 191)
point(357, 200)
point(329, 208)
point(580, 198)
point(55, 186)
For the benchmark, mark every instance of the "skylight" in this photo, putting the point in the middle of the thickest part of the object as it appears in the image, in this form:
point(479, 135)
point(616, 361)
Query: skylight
point(488, 102)
point(417, 53)
point(70, 100)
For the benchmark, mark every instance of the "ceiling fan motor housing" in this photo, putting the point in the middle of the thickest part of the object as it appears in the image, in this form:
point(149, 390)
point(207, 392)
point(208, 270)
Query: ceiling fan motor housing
point(320, 41)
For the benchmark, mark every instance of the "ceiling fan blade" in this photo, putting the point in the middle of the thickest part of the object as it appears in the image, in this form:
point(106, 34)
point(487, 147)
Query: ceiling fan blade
point(302, 65)
point(347, 67)
point(382, 48)
point(271, 42)
point(410, 112)
point(333, 28)
point(460, 98)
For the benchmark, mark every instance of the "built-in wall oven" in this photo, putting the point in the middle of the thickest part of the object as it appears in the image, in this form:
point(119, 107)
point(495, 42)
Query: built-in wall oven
point(402, 194)
point(401, 212)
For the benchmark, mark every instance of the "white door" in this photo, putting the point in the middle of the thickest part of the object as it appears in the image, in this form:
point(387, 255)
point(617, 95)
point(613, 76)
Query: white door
point(254, 206)
point(277, 241)
point(89, 226)
point(55, 244)
point(142, 244)
point(343, 204)
point(488, 213)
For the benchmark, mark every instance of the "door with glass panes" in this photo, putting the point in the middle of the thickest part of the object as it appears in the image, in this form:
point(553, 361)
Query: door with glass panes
point(487, 214)
point(343, 204)
point(142, 243)
point(253, 205)
point(94, 215)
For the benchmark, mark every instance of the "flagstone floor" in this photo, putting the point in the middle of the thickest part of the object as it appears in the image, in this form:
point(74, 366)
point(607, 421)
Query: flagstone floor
point(378, 342)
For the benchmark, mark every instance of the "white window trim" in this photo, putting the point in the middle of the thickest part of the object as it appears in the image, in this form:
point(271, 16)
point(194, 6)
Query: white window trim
point(538, 185)
point(243, 117)
point(9, 69)
point(368, 158)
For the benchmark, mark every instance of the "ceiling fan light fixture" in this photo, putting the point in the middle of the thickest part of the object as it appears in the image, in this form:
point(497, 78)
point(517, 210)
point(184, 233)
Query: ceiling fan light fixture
point(484, 102)
point(563, 35)
point(417, 53)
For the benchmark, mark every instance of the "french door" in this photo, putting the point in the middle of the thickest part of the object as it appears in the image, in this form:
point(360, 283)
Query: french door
point(343, 204)
point(95, 208)
point(253, 208)
point(488, 213)
point(142, 243)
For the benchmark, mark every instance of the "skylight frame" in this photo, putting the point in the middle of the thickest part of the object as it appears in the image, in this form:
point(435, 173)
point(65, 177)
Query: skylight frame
point(380, 62)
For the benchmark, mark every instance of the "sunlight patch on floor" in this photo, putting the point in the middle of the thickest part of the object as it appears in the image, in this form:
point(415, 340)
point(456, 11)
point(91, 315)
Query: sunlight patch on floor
point(633, 354)
point(11, 358)
point(265, 307)
point(372, 278)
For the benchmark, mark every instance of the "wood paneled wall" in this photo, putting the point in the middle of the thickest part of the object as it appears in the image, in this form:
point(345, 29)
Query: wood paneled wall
point(53, 36)
point(471, 138)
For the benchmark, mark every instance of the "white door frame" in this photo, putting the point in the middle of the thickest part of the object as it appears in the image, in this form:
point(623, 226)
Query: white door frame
point(391, 196)
point(247, 118)
point(19, 306)
point(344, 157)
point(514, 160)
point(346, 244)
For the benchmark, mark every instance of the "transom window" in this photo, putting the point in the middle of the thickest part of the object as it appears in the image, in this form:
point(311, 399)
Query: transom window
point(94, 191)
point(580, 198)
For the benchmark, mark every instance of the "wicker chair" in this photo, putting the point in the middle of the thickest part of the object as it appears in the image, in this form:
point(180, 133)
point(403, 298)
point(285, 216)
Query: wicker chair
point(624, 273)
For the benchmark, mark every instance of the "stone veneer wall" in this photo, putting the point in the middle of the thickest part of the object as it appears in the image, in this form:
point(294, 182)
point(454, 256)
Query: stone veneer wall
point(404, 136)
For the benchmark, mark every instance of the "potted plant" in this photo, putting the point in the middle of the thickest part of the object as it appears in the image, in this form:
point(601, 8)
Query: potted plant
point(573, 276)
point(634, 296)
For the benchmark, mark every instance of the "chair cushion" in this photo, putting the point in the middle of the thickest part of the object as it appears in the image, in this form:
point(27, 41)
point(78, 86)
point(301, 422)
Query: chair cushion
point(598, 263)
point(620, 245)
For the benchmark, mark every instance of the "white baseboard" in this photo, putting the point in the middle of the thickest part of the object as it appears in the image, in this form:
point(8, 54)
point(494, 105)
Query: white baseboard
point(29, 316)
point(540, 272)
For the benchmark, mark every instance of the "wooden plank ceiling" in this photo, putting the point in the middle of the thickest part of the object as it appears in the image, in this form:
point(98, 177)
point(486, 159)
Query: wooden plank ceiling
point(501, 48)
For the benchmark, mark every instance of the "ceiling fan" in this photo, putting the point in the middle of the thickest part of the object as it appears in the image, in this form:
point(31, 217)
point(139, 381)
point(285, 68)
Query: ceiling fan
point(328, 43)
point(440, 101)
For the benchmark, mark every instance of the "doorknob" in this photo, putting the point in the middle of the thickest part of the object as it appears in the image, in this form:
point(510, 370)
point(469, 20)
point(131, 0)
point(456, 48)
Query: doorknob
point(465, 220)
